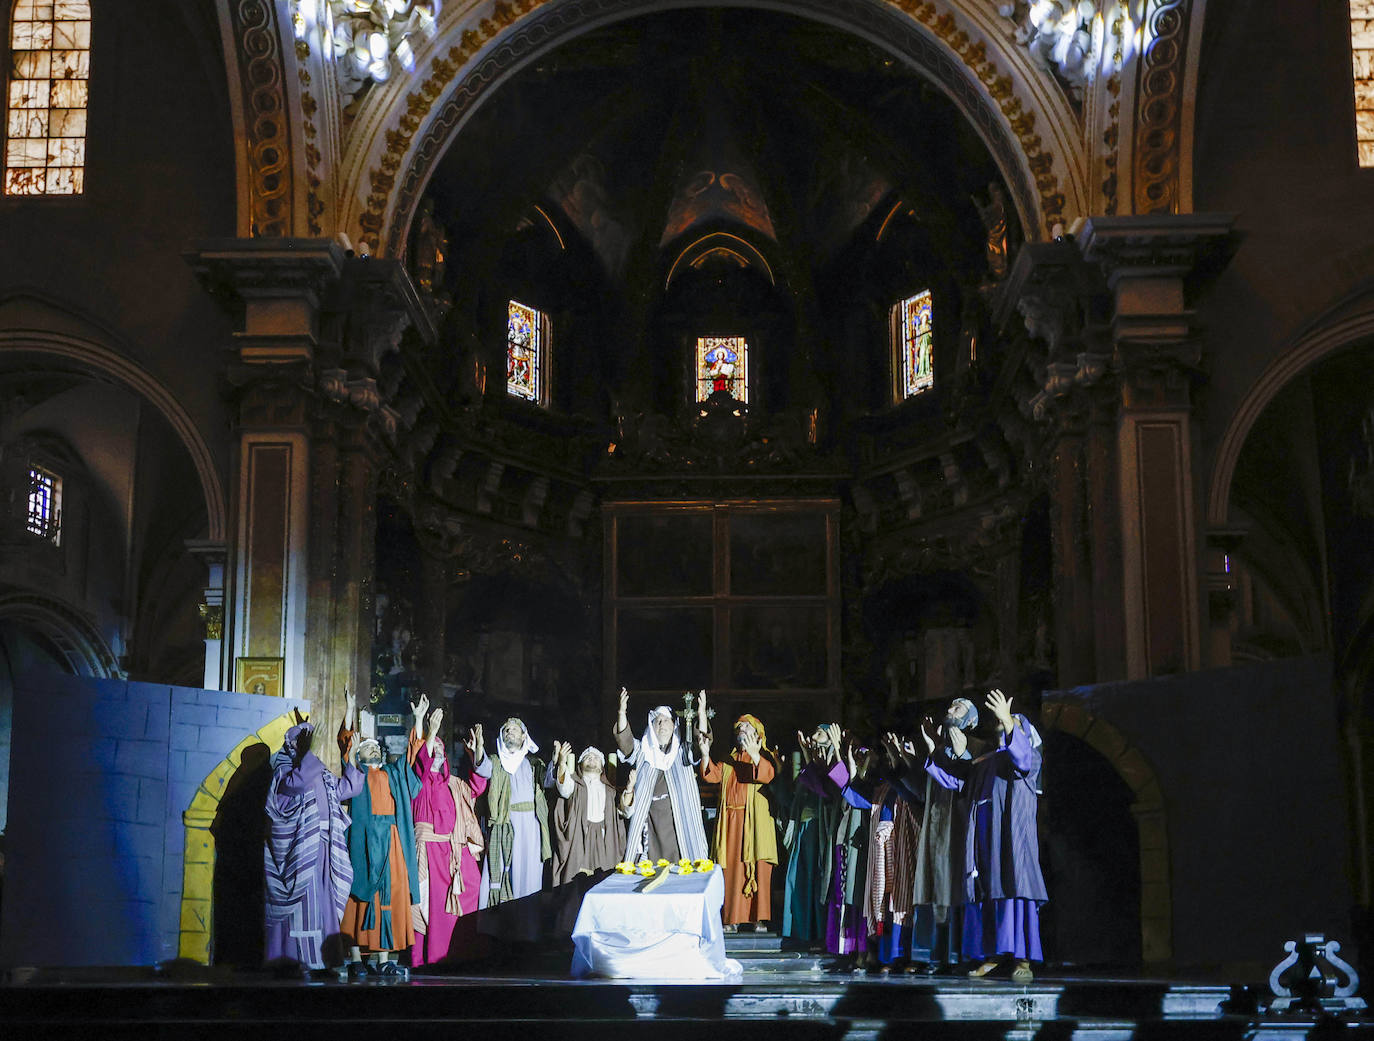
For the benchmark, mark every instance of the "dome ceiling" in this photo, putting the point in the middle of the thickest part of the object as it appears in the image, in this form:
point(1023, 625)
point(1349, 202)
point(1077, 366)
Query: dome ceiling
point(645, 136)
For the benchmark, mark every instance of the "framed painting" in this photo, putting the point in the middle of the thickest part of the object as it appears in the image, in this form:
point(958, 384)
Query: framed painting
point(260, 676)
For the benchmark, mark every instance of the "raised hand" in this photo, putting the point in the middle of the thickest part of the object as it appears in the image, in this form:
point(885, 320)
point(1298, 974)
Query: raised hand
point(349, 711)
point(752, 744)
point(474, 745)
point(805, 747)
point(1000, 706)
point(926, 725)
point(435, 718)
point(420, 708)
point(832, 731)
point(623, 719)
point(702, 724)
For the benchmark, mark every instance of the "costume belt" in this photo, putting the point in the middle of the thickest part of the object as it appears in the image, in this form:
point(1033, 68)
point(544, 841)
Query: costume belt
point(522, 807)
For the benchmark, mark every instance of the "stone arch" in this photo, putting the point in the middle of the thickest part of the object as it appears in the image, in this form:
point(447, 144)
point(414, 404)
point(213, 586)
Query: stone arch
point(1156, 899)
point(96, 358)
point(1345, 325)
point(405, 125)
point(196, 930)
point(79, 642)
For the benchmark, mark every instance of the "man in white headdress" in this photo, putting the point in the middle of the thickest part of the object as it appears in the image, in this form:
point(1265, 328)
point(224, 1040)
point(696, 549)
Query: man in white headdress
point(660, 794)
point(518, 841)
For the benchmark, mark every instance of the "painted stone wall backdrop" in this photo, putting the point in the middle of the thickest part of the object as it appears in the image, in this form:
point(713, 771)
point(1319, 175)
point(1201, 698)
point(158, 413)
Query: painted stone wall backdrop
point(1248, 764)
point(101, 773)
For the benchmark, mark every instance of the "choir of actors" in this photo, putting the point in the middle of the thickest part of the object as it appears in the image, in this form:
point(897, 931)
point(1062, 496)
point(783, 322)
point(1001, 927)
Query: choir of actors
point(897, 862)
point(903, 863)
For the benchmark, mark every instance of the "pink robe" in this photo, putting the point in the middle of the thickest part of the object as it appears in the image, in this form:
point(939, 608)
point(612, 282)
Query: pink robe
point(444, 937)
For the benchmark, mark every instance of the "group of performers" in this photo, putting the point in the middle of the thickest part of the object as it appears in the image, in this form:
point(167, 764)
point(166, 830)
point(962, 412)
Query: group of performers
point(898, 858)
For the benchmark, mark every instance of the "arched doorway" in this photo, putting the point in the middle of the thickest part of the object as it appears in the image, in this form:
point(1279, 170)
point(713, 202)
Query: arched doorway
point(1091, 858)
point(1063, 717)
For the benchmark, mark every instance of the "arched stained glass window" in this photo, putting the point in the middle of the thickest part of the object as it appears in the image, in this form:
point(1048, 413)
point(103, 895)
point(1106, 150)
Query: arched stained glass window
point(723, 364)
point(527, 347)
point(1362, 56)
point(913, 342)
point(46, 96)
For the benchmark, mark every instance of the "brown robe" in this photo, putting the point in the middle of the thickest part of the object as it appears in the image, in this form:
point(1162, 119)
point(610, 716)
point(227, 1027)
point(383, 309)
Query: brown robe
point(584, 847)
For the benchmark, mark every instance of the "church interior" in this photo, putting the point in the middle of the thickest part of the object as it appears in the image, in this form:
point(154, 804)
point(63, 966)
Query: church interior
point(836, 357)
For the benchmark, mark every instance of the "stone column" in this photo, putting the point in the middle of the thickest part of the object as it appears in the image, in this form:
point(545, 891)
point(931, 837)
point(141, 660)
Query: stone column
point(311, 428)
point(212, 555)
point(1146, 260)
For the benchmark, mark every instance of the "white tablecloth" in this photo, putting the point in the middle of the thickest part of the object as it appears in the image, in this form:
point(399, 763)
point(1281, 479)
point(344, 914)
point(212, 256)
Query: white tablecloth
point(672, 933)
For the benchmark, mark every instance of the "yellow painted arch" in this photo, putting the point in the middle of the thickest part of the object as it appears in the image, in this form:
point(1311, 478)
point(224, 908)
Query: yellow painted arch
point(198, 871)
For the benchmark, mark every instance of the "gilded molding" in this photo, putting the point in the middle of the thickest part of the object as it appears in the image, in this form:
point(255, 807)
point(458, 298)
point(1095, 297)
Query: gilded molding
point(264, 102)
point(390, 183)
point(1000, 89)
point(1159, 108)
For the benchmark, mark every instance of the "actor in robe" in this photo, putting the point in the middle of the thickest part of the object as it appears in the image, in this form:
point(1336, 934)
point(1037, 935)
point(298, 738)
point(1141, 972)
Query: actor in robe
point(660, 796)
point(381, 844)
point(810, 839)
point(517, 836)
point(588, 828)
point(894, 834)
point(305, 857)
point(449, 843)
point(1003, 884)
point(746, 839)
point(590, 836)
point(939, 890)
point(846, 928)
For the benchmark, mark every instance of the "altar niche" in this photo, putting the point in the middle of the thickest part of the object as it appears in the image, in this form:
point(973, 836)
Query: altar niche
point(738, 597)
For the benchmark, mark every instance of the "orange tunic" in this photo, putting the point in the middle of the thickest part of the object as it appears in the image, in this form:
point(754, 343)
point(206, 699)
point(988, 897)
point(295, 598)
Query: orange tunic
point(355, 911)
point(738, 907)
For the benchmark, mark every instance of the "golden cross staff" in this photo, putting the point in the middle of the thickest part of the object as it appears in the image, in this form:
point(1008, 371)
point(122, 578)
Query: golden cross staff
point(689, 712)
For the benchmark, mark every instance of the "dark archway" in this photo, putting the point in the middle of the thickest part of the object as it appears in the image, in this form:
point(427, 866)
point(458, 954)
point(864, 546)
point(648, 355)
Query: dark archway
point(1091, 852)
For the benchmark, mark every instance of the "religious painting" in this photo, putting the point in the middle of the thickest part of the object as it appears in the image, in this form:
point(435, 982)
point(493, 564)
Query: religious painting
point(710, 196)
point(665, 648)
point(259, 676)
point(914, 336)
point(777, 553)
point(525, 349)
point(661, 554)
point(722, 364)
point(778, 648)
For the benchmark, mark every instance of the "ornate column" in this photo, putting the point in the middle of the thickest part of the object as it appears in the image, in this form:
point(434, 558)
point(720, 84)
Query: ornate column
point(1146, 261)
point(312, 426)
point(1058, 296)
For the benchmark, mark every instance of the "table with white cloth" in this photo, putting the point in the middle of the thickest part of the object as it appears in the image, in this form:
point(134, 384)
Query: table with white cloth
point(671, 932)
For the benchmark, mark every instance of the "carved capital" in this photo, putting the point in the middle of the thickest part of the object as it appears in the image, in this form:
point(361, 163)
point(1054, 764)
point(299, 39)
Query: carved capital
point(277, 283)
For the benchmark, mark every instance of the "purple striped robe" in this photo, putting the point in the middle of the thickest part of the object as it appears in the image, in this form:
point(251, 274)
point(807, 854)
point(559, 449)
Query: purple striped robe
point(308, 873)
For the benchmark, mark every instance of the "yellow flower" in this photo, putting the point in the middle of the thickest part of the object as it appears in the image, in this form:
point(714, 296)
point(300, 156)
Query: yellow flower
point(686, 869)
point(647, 872)
point(684, 862)
point(705, 864)
point(661, 862)
point(645, 864)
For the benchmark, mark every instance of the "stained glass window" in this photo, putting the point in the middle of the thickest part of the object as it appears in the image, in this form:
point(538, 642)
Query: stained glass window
point(913, 338)
point(45, 504)
point(1362, 55)
point(526, 353)
point(45, 103)
point(723, 364)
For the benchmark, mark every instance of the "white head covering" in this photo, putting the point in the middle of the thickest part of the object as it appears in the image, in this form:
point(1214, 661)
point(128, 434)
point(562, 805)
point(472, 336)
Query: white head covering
point(649, 751)
point(511, 760)
point(591, 750)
